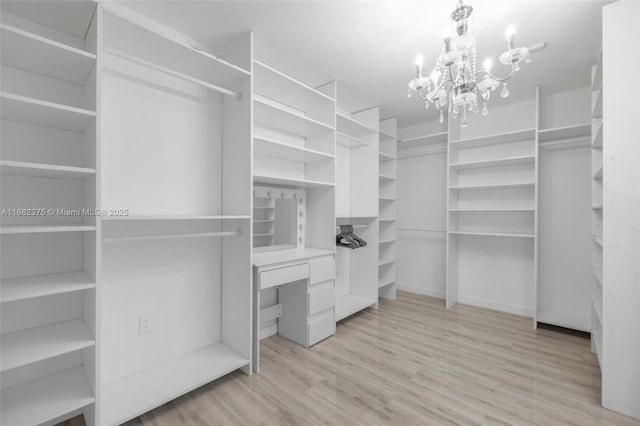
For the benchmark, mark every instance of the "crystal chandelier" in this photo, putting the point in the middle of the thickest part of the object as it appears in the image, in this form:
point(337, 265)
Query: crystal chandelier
point(455, 83)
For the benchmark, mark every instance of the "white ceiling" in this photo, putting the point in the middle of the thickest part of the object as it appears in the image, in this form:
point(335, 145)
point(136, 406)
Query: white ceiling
point(370, 46)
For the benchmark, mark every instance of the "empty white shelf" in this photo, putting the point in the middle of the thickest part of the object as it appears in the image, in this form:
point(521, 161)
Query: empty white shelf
point(598, 174)
point(383, 282)
point(351, 127)
point(35, 229)
point(386, 199)
point(493, 234)
point(138, 393)
point(386, 157)
point(290, 182)
point(44, 285)
point(272, 148)
point(508, 161)
point(597, 77)
point(434, 139)
point(388, 219)
point(349, 304)
point(263, 220)
point(47, 398)
point(597, 239)
point(386, 262)
point(263, 208)
point(274, 84)
point(266, 234)
point(386, 241)
point(578, 131)
point(386, 178)
point(493, 210)
point(596, 206)
point(493, 186)
point(500, 138)
point(22, 168)
point(272, 116)
point(596, 141)
point(36, 344)
point(44, 113)
point(37, 54)
point(349, 141)
point(597, 104)
point(386, 137)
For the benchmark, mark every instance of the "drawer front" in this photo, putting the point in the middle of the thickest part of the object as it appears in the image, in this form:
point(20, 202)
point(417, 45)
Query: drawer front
point(321, 297)
point(283, 275)
point(321, 326)
point(322, 269)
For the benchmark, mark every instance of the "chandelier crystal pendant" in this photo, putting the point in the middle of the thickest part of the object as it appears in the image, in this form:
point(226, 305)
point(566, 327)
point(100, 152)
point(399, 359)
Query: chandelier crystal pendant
point(455, 84)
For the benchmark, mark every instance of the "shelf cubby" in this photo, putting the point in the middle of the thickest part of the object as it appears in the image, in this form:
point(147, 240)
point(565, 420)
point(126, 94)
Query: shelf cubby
point(14, 289)
point(418, 141)
point(273, 148)
point(508, 161)
point(21, 168)
point(289, 181)
point(272, 116)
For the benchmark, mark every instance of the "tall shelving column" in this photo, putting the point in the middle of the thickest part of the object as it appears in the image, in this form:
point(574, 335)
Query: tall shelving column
point(357, 204)
point(387, 283)
point(597, 207)
point(492, 220)
point(175, 266)
point(48, 164)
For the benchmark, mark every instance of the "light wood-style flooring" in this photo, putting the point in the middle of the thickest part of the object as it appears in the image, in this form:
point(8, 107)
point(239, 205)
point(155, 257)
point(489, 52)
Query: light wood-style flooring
point(411, 362)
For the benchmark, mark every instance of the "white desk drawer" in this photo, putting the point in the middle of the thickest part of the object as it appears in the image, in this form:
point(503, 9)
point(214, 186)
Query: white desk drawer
point(321, 269)
point(321, 326)
point(321, 297)
point(285, 275)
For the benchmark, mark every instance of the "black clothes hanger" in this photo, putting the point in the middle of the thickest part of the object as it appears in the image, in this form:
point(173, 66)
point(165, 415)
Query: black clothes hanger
point(346, 238)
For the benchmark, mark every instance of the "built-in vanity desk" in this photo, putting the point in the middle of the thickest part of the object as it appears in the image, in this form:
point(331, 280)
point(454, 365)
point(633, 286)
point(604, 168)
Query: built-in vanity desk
point(305, 282)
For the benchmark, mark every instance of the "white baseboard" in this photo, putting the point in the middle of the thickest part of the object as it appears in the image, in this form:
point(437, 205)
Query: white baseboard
point(496, 306)
point(432, 292)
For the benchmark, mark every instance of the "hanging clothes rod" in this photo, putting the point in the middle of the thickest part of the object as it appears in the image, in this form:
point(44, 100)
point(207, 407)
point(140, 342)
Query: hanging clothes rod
point(168, 71)
point(354, 227)
point(171, 236)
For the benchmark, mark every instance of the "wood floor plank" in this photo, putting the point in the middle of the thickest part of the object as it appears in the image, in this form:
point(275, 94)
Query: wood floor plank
point(410, 362)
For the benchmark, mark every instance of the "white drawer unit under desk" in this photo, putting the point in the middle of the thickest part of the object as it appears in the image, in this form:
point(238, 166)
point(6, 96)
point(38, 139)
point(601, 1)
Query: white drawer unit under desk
point(305, 281)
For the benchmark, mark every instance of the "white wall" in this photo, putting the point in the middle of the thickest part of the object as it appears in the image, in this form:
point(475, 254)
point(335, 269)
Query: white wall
point(564, 211)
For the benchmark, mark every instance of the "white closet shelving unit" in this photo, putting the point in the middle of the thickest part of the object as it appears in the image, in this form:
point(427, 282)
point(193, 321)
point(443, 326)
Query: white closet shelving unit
point(357, 172)
point(597, 167)
point(387, 283)
point(175, 268)
point(48, 165)
point(492, 218)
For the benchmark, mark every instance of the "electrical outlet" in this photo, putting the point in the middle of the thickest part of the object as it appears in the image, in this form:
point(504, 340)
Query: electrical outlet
point(144, 324)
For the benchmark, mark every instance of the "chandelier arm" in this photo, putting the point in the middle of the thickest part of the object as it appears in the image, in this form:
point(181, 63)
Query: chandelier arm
point(498, 79)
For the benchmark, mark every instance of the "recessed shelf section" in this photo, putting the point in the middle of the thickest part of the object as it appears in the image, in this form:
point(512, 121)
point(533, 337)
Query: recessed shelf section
point(44, 285)
point(349, 141)
point(434, 139)
point(351, 127)
point(493, 186)
point(579, 131)
point(274, 84)
point(140, 392)
point(349, 304)
point(596, 80)
point(492, 234)
point(168, 52)
point(386, 137)
point(386, 157)
point(21, 168)
point(501, 138)
point(43, 113)
point(386, 178)
point(272, 148)
point(289, 182)
point(386, 262)
point(385, 282)
point(42, 400)
point(272, 116)
point(386, 199)
point(37, 54)
point(508, 161)
point(596, 110)
point(596, 141)
point(35, 229)
point(36, 344)
point(598, 174)
point(597, 239)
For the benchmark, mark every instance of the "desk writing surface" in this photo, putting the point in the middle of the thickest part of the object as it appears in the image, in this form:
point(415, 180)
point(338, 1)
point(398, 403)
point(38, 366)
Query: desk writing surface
point(282, 256)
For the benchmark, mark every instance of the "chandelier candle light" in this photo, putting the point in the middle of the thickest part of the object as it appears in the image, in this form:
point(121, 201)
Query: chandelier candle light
point(455, 83)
